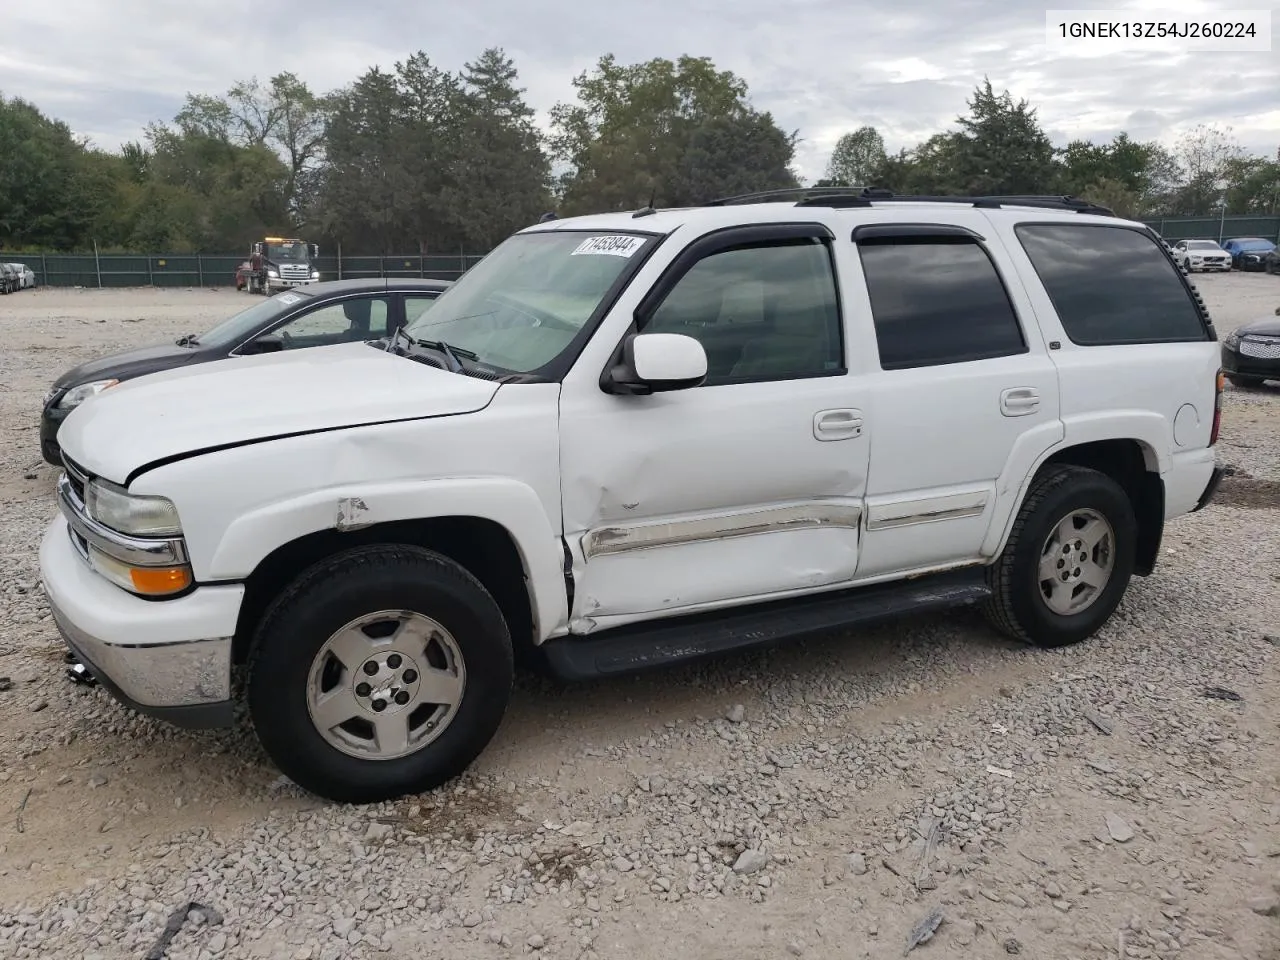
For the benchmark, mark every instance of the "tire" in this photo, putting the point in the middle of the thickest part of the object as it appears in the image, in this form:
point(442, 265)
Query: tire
point(1245, 382)
point(291, 666)
point(1018, 606)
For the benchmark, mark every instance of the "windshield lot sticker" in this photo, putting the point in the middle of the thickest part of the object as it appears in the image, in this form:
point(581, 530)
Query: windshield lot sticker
point(621, 246)
point(289, 298)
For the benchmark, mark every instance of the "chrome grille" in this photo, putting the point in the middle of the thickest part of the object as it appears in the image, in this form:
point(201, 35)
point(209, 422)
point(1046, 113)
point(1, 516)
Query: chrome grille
point(77, 475)
point(295, 271)
point(1262, 349)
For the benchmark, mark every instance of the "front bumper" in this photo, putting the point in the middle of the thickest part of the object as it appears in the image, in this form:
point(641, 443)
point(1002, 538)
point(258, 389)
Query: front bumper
point(169, 659)
point(1235, 363)
point(50, 420)
point(277, 284)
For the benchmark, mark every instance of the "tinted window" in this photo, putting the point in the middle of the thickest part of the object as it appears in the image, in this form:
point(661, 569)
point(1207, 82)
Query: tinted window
point(937, 300)
point(1111, 285)
point(765, 312)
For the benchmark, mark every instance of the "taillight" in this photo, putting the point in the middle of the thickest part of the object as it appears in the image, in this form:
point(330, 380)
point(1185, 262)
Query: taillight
point(1219, 383)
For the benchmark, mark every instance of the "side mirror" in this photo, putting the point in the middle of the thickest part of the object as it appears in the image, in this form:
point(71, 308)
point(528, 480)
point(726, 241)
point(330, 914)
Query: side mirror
point(315, 251)
point(267, 343)
point(654, 362)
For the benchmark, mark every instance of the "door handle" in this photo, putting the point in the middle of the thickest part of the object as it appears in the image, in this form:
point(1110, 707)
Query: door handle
point(837, 424)
point(1019, 401)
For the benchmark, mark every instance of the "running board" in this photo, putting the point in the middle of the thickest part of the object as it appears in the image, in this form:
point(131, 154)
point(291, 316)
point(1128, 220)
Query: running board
point(672, 640)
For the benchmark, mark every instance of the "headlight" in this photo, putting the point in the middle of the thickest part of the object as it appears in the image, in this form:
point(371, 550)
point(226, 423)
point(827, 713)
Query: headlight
point(130, 514)
point(1232, 340)
point(78, 395)
point(273, 274)
point(315, 274)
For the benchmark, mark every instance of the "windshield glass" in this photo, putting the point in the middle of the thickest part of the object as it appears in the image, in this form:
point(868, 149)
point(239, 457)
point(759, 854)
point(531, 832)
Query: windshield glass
point(234, 329)
point(1254, 243)
point(289, 252)
point(521, 306)
point(1202, 245)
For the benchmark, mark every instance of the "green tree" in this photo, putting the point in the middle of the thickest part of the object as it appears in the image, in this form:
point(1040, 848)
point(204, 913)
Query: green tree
point(1000, 147)
point(628, 136)
point(857, 158)
point(283, 115)
point(501, 177)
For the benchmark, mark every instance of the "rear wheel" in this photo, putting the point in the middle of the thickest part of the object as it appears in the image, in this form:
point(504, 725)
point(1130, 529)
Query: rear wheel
point(1068, 560)
point(382, 671)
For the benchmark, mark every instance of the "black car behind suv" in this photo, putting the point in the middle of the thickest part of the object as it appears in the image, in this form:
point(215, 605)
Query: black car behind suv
point(337, 311)
point(1251, 354)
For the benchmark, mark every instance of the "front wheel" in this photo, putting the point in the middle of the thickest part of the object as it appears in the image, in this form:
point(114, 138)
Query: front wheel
point(380, 672)
point(1068, 559)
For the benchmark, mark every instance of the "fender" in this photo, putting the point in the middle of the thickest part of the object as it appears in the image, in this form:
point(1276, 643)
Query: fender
point(1151, 431)
point(509, 503)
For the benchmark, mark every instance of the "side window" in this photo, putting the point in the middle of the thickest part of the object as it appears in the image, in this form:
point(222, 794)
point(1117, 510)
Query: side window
point(1111, 285)
point(415, 305)
point(937, 300)
point(761, 312)
point(359, 318)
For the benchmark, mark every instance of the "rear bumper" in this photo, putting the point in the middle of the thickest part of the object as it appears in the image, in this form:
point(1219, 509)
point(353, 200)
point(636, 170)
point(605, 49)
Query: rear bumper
point(1210, 489)
point(1189, 475)
point(169, 659)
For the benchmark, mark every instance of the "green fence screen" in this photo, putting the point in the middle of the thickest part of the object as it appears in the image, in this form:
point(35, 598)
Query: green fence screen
point(219, 270)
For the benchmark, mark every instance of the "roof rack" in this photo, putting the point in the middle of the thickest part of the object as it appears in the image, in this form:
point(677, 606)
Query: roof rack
point(844, 197)
point(762, 195)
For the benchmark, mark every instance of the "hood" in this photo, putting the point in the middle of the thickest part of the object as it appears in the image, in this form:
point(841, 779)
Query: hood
point(130, 363)
point(1262, 327)
point(243, 399)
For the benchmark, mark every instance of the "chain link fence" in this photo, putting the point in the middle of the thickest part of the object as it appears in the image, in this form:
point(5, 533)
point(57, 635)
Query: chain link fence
point(218, 270)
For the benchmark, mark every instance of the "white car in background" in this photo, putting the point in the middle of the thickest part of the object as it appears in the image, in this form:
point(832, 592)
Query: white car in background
point(26, 276)
point(1201, 255)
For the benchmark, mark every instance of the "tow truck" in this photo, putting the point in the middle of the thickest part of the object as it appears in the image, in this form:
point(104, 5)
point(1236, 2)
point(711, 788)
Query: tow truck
point(276, 263)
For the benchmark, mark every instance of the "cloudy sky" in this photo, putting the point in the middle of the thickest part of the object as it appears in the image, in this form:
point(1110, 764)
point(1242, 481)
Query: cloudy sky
point(821, 66)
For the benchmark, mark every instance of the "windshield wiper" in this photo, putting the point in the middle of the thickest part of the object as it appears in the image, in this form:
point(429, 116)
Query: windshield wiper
point(190, 340)
point(453, 353)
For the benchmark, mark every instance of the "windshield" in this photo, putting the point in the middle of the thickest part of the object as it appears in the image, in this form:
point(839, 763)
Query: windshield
point(1202, 245)
point(290, 252)
point(246, 322)
point(1254, 243)
point(521, 306)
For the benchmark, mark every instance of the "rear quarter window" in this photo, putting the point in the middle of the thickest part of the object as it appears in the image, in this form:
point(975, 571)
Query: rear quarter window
point(1111, 285)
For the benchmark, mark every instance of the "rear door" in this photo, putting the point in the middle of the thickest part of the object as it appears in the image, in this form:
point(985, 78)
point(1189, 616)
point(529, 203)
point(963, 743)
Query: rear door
point(966, 397)
point(1136, 354)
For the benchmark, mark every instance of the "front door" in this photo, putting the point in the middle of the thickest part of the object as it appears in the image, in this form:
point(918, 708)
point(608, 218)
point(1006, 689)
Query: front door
point(746, 487)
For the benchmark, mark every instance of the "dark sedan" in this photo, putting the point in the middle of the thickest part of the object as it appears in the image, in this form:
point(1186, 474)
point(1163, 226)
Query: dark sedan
point(337, 311)
point(1271, 262)
point(1251, 354)
point(1248, 253)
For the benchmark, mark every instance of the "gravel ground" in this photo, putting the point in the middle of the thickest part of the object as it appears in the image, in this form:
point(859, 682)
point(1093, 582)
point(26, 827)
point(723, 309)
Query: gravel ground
point(822, 800)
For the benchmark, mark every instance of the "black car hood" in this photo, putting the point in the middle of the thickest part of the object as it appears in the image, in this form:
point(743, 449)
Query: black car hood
point(1266, 327)
point(130, 363)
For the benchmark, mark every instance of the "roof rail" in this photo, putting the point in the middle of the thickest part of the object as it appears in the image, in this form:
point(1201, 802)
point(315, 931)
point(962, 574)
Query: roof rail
point(844, 197)
point(762, 195)
point(869, 196)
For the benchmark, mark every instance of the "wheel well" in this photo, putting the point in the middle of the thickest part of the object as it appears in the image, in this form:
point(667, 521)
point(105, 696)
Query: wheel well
point(1125, 462)
point(482, 547)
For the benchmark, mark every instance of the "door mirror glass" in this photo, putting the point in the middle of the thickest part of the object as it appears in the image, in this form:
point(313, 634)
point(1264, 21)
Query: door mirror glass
point(653, 362)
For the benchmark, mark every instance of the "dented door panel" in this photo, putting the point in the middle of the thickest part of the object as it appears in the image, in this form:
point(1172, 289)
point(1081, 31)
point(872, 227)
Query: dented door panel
point(698, 497)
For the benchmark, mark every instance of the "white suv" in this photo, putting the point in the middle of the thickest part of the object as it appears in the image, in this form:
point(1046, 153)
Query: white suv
point(632, 439)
